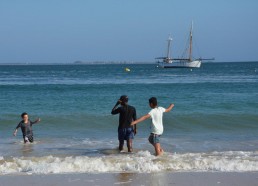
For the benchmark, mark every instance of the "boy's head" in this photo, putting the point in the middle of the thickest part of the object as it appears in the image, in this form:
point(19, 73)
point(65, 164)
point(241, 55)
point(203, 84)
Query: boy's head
point(153, 102)
point(124, 99)
point(24, 116)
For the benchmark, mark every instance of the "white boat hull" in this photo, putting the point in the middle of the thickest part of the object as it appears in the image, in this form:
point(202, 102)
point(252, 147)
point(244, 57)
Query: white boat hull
point(181, 64)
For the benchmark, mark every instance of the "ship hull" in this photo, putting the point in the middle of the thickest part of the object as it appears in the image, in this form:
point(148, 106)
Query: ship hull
point(181, 64)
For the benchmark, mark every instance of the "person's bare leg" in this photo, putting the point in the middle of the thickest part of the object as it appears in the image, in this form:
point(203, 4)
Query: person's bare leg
point(159, 151)
point(130, 145)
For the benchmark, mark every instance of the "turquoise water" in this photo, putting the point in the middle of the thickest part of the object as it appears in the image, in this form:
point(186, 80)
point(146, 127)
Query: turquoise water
point(215, 114)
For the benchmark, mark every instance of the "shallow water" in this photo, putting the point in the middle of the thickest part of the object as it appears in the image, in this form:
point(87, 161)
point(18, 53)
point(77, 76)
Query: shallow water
point(214, 119)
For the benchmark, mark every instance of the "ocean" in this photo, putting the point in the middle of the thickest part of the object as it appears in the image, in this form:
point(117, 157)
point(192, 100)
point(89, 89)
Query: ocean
point(213, 126)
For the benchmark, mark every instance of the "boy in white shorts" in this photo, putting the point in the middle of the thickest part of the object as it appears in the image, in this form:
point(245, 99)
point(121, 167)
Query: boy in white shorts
point(156, 129)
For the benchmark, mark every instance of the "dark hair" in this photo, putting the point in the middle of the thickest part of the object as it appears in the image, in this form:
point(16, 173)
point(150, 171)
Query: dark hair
point(124, 98)
point(23, 114)
point(153, 101)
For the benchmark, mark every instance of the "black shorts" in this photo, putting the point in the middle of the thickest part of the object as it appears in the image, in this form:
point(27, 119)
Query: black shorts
point(28, 139)
point(125, 134)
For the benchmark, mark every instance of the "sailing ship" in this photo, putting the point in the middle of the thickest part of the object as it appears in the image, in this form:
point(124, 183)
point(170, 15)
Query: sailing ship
point(187, 62)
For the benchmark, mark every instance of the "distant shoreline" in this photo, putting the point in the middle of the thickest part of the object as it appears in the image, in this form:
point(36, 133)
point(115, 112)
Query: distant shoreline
point(111, 63)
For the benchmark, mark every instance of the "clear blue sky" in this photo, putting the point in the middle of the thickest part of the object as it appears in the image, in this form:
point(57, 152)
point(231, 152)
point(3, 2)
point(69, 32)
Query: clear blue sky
point(63, 31)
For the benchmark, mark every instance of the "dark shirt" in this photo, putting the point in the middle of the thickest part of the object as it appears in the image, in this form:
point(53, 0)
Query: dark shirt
point(26, 128)
point(127, 115)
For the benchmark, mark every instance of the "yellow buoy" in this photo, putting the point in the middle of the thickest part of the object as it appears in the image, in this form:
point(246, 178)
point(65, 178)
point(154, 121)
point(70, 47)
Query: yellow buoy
point(127, 69)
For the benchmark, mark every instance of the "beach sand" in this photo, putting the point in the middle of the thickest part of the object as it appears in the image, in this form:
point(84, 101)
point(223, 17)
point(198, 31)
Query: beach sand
point(134, 179)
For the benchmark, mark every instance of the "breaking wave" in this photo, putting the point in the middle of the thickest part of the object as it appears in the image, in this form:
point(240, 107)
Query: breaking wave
point(140, 162)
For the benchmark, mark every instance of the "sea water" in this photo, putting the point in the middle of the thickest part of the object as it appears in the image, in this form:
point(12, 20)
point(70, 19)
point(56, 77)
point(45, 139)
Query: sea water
point(213, 126)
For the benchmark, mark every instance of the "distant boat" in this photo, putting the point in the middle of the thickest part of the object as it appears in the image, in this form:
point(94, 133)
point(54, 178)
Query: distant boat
point(188, 62)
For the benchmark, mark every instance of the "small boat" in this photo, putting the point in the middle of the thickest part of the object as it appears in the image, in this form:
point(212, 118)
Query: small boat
point(187, 62)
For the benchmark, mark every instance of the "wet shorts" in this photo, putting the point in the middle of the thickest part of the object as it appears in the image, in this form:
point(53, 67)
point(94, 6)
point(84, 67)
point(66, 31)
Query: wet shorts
point(28, 139)
point(154, 138)
point(125, 134)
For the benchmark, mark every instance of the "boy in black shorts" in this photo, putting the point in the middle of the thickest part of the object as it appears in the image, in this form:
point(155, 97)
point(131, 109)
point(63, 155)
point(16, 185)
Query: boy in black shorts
point(127, 115)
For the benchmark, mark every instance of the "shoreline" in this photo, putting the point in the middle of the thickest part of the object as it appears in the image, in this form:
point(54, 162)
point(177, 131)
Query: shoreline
point(161, 178)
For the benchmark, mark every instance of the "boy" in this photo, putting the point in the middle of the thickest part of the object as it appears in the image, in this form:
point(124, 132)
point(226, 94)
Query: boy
point(127, 114)
point(26, 128)
point(156, 115)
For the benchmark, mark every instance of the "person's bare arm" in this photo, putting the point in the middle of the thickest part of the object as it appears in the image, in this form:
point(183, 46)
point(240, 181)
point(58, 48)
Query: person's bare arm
point(15, 132)
point(170, 107)
point(141, 119)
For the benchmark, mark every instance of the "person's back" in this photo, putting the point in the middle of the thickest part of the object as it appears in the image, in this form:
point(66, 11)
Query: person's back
point(157, 120)
point(127, 114)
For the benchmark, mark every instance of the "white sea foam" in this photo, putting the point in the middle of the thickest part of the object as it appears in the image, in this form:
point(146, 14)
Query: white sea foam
point(140, 162)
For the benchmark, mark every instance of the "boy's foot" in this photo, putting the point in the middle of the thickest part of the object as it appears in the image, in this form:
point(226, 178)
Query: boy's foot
point(130, 150)
point(161, 151)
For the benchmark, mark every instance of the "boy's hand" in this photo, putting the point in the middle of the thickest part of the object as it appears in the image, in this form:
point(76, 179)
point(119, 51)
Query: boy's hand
point(15, 132)
point(37, 120)
point(133, 123)
point(118, 102)
point(170, 107)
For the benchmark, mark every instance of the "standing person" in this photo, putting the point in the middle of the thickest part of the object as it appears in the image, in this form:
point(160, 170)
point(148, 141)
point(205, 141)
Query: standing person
point(156, 129)
point(26, 127)
point(127, 114)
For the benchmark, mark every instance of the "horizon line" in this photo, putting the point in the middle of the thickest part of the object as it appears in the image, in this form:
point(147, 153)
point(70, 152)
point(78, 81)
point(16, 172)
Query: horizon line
point(105, 63)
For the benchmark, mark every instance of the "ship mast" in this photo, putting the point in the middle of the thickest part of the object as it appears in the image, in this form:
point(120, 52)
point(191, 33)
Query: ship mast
point(168, 50)
point(191, 42)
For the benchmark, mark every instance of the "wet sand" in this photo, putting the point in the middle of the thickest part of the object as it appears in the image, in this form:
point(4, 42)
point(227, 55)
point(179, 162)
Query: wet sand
point(134, 179)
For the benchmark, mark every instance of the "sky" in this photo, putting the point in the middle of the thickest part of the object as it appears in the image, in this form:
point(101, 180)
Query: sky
point(64, 31)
